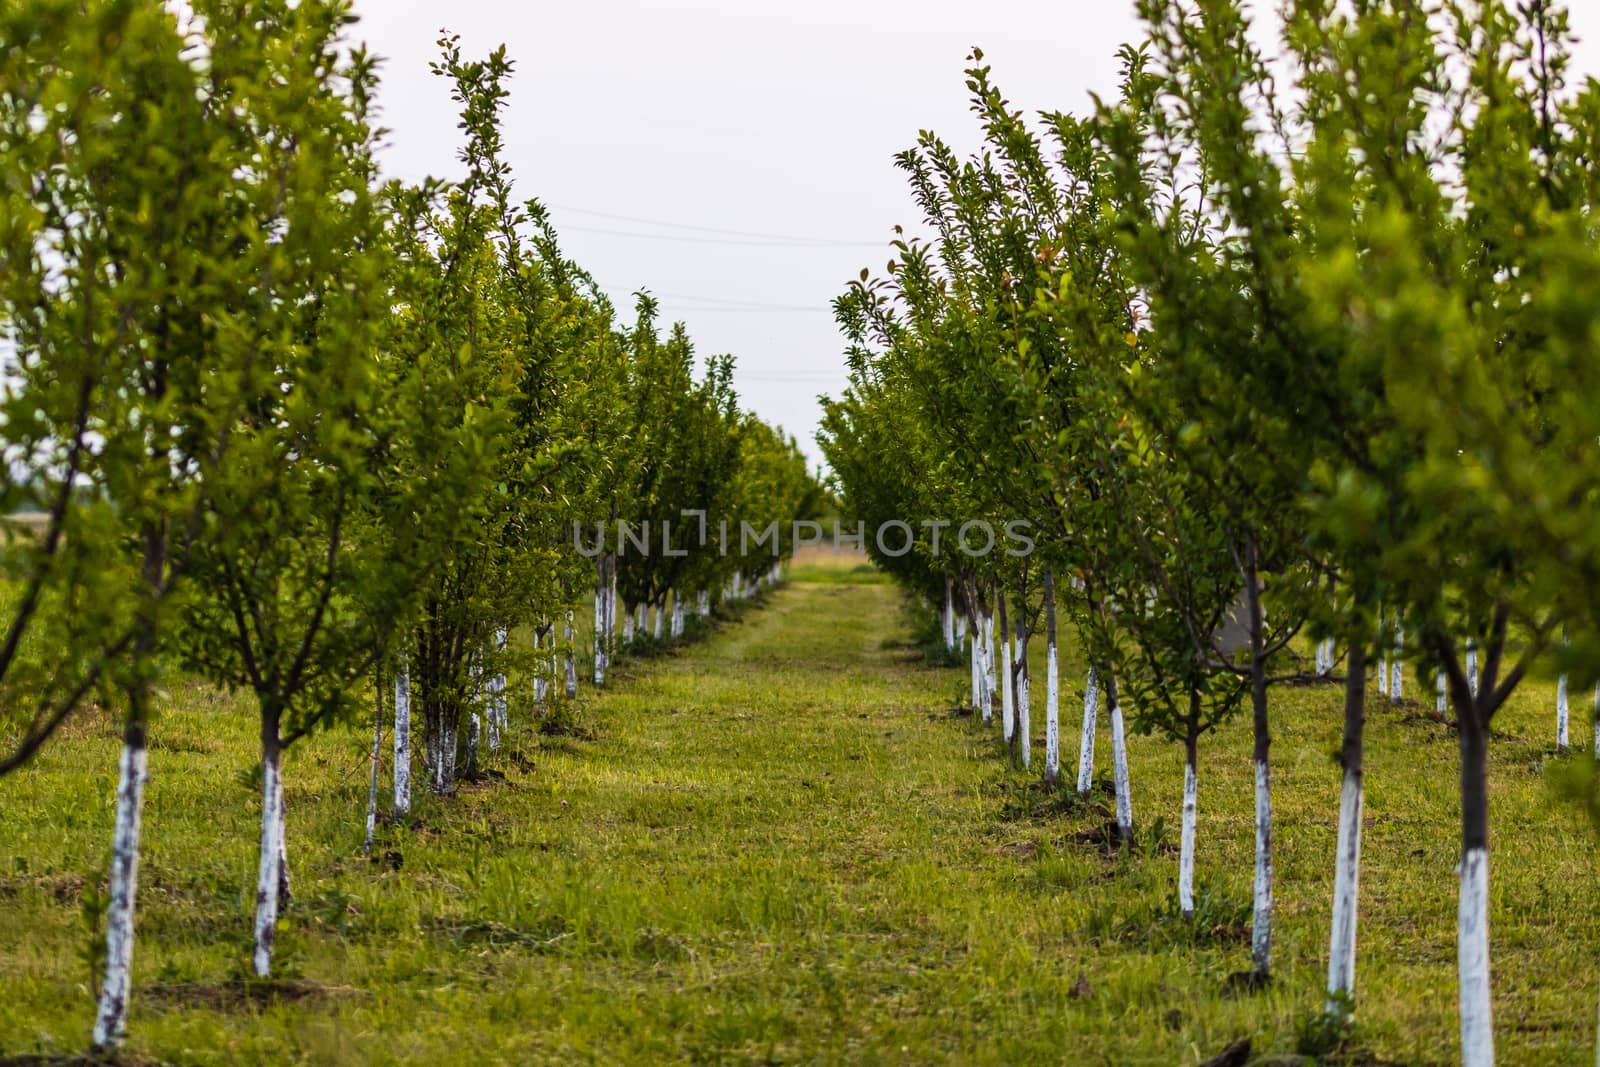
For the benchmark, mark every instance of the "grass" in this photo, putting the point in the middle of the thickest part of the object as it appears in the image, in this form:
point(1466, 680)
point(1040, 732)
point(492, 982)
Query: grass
point(782, 845)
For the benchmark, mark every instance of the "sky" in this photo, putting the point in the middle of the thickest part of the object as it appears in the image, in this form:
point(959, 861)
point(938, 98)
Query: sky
point(735, 157)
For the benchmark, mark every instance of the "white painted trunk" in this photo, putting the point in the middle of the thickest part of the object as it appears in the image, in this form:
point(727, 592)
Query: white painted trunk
point(1396, 672)
point(377, 760)
point(961, 632)
point(1346, 891)
point(1261, 914)
point(641, 611)
point(737, 579)
point(1191, 791)
point(571, 664)
point(542, 669)
point(499, 711)
point(977, 672)
point(267, 877)
point(1119, 761)
point(1383, 674)
point(1561, 713)
point(112, 1012)
point(474, 737)
point(1561, 702)
point(599, 636)
point(402, 739)
point(1052, 714)
point(1024, 720)
point(1091, 712)
point(627, 627)
point(949, 619)
point(988, 664)
point(1472, 665)
point(660, 610)
point(703, 604)
point(1008, 703)
point(1472, 960)
point(1441, 699)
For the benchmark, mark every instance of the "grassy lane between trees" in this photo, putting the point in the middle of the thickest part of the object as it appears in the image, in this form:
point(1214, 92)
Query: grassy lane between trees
point(780, 846)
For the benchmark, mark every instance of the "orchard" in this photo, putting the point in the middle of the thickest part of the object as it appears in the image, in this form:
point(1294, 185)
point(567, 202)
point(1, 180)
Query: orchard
point(440, 660)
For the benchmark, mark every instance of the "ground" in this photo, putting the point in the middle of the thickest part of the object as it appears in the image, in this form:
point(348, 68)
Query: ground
point(782, 845)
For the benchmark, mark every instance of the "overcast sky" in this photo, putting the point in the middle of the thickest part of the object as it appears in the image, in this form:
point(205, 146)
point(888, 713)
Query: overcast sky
point(734, 157)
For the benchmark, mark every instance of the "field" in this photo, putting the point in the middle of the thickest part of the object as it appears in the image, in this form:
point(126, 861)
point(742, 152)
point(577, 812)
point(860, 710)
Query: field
point(782, 845)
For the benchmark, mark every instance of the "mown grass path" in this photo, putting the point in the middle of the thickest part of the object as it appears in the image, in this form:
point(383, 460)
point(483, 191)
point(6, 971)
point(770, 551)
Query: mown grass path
point(779, 845)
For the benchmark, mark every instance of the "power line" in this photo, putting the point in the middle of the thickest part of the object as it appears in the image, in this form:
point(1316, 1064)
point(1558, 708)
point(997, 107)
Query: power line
point(755, 235)
point(685, 239)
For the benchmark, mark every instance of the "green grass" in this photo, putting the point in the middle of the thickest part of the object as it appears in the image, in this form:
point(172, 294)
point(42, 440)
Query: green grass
point(780, 846)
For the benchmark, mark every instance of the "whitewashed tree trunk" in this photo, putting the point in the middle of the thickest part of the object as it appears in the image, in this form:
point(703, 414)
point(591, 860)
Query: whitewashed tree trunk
point(1441, 695)
point(1024, 720)
point(1396, 672)
point(1346, 889)
point(660, 610)
point(543, 667)
point(1191, 805)
point(1261, 912)
point(1347, 855)
point(570, 660)
point(474, 738)
point(1008, 704)
point(627, 627)
point(112, 1011)
point(949, 617)
point(986, 672)
point(1052, 686)
point(977, 673)
point(402, 738)
point(1119, 761)
point(599, 635)
point(1561, 702)
point(267, 876)
point(1472, 952)
point(1091, 712)
point(703, 604)
point(643, 613)
point(499, 710)
point(1472, 665)
point(961, 632)
point(737, 592)
point(377, 759)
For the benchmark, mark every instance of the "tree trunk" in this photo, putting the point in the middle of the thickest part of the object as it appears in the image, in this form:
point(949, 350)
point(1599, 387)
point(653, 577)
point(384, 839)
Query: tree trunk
point(1119, 761)
point(1008, 707)
point(1561, 702)
point(474, 736)
point(1261, 918)
point(570, 660)
point(1396, 672)
point(1472, 906)
point(600, 625)
point(1024, 691)
point(112, 1011)
point(1191, 796)
point(988, 665)
point(402, 739)
point(949, 617)
point(377, 750)
point(268, 879)
point(1091, 712)
point(1052, 686)
point(1472, 665)
point(1347, 858)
